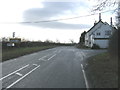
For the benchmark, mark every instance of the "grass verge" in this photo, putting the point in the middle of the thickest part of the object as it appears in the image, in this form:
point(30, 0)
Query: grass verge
point(16, 52)
point(82, 47)
point(102, 71)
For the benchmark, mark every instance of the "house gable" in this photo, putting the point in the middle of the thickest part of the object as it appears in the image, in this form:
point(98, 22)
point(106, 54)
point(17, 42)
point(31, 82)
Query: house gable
point(99, 34)
point(95, 26)
point(104, 31)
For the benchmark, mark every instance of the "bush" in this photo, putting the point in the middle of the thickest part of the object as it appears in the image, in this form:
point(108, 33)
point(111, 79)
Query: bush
point(95, 46)
point(82, 46)
point(113, 44)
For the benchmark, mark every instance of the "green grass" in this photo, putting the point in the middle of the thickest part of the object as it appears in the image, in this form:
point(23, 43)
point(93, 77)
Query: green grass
point(102, 71)
point(16, 52)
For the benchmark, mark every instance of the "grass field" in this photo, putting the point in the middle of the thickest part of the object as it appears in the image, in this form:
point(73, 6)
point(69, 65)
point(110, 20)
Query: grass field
point(16, 52)
point(102, 71)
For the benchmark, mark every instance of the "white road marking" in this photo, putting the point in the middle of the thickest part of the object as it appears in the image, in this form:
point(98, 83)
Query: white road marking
point(14, 72)
point(52, 56)
point(22, 77)
point(35, 64)
point(19, 74)
point(86, 82)
point(43, 57)
point(83, 54)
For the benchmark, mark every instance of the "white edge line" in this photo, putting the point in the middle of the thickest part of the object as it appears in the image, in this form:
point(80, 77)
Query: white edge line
point(22, 77)
point(14, 72)
point(83, 54)
point(52, 56)
point(86, 82)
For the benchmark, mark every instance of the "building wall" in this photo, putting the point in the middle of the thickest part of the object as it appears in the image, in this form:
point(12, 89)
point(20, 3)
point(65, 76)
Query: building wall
point(102, 30)
point(86, 39)
point(89, 36)
point(99, 28)
point(102, 43)
point(95, 27)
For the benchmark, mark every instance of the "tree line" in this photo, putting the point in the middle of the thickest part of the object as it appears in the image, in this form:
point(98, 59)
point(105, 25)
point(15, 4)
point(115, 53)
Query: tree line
point(33, 44)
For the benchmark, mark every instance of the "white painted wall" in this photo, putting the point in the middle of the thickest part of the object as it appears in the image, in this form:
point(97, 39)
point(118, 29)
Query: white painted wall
point(86, 39)
point(99, 28)
point(102, 43)
point(102, 30)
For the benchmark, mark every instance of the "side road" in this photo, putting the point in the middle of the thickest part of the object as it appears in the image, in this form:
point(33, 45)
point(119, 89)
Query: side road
point(102, 71)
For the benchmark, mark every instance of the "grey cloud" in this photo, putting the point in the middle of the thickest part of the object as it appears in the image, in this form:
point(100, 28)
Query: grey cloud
point(49, 10)
point(59, 25)
point(52, 9)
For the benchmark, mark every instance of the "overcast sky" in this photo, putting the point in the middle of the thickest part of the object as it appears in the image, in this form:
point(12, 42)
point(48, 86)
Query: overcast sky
point(14, 11)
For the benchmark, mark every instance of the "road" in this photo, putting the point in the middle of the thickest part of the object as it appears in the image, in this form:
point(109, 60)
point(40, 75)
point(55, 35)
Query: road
point(60, 67)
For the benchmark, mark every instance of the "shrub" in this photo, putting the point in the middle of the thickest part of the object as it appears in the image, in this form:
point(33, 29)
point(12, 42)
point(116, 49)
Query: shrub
point(113, 44)
point(95, 46)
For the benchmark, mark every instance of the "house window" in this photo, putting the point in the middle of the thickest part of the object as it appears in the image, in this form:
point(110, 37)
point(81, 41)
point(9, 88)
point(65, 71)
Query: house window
point(108, 33)
point(98, 33)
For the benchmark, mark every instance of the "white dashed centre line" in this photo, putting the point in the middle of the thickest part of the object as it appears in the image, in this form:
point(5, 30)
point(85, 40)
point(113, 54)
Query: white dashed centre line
point(43, 57)
point(52, 56)
point(19, 74)
point(35, 64)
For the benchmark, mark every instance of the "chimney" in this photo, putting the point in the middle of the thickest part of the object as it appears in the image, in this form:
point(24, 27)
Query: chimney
point(99, 16)
point(111, 21)
point(95, 22)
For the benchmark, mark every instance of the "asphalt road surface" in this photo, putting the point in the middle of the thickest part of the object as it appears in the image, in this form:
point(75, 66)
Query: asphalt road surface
point(60, 67)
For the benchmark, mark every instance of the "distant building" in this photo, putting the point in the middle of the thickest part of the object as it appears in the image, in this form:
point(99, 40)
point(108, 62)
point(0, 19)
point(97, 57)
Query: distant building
point(15, 40)
point(10, 44)
point(99, 34)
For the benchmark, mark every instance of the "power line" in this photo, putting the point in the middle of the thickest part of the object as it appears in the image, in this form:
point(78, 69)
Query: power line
point(55, 19)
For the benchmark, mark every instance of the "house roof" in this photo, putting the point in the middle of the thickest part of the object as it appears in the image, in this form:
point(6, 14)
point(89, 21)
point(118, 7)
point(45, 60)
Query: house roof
point(95, 25)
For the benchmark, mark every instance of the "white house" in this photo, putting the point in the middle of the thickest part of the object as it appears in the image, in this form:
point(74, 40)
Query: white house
point(99, 34)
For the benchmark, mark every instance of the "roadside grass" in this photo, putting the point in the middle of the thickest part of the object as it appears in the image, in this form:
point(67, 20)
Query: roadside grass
point(102, 71)
point(16, 52)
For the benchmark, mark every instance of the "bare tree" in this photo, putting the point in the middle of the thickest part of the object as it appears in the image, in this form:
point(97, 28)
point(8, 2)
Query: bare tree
point(102, 4)
point(118, 16)
point(72, 41)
